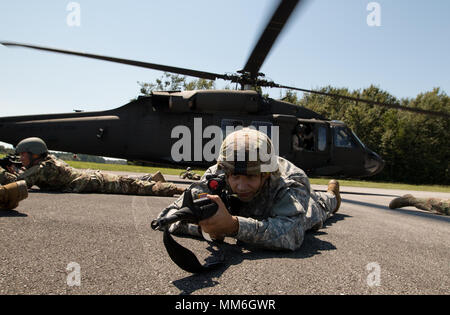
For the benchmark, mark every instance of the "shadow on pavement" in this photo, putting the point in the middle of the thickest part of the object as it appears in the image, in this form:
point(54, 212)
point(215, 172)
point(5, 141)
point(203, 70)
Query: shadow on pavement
point(11, 214)
point(422, 214)
point(237, 253)
point(360, 193)
point(365, 204)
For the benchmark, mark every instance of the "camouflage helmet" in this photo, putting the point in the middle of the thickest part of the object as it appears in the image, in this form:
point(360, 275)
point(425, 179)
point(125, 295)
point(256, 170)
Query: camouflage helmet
point(247, 152)
point(32, 145)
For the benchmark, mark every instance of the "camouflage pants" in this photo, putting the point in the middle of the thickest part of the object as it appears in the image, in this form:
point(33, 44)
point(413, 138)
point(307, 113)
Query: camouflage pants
point(436, 205)
point(98, 182)
point(441, 206)
point(320, 210)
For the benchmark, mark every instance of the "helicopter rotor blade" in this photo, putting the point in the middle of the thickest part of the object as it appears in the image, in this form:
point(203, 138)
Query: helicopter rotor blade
point(269, 36)
point(182, 71)
point(410, 109)
point(214, 76)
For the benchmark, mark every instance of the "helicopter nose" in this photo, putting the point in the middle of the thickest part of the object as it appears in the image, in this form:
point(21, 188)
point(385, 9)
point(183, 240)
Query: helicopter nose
point(373, 163)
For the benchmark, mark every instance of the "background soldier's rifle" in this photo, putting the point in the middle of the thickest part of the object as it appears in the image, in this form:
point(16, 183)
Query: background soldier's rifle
point(10, 160)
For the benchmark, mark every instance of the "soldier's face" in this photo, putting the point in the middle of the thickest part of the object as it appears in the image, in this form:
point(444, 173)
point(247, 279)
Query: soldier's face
point(246, 186)
point(25, 158)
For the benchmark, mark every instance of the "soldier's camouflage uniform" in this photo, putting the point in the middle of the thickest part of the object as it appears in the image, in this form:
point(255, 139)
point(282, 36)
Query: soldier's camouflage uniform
point(53, 174)
point(435, 205)
point(6, 177)
point(279, 216)
point(441, 206)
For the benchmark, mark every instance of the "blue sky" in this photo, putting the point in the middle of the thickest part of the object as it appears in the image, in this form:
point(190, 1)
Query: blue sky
point(328, 42)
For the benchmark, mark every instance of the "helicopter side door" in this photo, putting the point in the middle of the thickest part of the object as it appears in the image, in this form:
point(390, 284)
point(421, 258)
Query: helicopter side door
point(310, 144)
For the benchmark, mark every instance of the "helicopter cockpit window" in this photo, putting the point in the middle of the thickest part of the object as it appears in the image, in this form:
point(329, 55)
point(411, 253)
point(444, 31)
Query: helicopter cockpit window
point(342, 138)
point(229, 125)
point(359, 140)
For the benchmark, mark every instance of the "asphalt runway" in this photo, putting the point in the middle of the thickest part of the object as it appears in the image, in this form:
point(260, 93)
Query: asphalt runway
point(103, 244)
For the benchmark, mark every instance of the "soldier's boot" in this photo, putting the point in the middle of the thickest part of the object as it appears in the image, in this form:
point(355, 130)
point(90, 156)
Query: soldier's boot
point(316, 227)
point(333, 187)
point(12, 194)
point(404, 201)
point(179, 190)
point(158, 177)
point(166, 189)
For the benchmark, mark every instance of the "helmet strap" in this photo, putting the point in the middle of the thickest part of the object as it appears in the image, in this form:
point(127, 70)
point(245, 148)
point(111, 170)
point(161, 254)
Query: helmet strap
point(263, 182)
point(34, 160)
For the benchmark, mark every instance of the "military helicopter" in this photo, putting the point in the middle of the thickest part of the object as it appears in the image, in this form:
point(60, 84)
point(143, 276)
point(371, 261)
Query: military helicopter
point(143, 130)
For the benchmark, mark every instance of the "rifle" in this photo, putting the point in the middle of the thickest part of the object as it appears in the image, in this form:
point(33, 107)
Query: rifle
point(192, 212)
point(200, 209)
point(10, 160)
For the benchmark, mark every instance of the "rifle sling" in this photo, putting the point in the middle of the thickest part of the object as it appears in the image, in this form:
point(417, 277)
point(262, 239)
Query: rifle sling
point(185, 259)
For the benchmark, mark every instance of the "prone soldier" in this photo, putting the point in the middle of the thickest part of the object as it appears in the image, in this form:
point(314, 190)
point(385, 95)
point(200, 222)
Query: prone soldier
point(52, 174)
point(276, 203)
point(435, 205)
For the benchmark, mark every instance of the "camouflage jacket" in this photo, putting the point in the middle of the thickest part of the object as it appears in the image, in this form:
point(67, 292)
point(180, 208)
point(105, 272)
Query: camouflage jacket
point(53, 174)
point(278, 216)
point(6, 177)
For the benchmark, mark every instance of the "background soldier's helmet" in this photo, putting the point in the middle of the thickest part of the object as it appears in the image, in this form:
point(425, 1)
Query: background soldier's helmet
point(32, 145)
point(247, 152)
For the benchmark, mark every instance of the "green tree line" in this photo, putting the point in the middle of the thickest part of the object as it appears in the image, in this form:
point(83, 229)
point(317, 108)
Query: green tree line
point(416, 147)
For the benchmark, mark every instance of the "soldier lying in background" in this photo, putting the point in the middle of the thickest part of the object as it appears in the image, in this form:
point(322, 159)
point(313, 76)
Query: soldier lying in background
point(52, 174)
point(189, 174)
point(435, 205)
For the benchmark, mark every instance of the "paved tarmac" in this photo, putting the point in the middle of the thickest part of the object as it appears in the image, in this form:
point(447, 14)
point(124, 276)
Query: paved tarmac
point(366, 248)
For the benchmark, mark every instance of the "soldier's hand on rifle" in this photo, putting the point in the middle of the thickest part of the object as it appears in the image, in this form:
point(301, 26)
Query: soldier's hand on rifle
point(11, 169)
point(222, 223)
